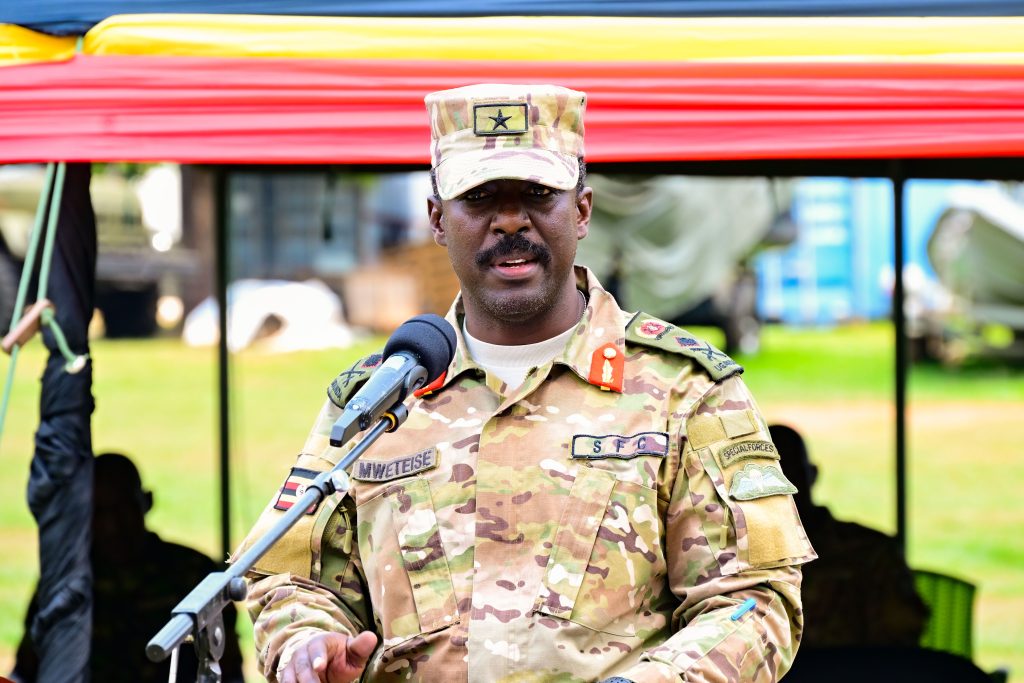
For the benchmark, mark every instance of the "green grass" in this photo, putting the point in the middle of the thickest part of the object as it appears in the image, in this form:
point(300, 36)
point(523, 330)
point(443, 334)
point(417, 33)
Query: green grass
point(156, 400)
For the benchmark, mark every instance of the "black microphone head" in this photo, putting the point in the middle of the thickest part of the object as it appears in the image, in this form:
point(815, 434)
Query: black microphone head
point(430, 338)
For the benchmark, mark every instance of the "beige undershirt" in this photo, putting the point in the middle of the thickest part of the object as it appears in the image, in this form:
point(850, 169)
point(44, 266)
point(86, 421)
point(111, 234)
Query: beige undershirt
point(511, 363)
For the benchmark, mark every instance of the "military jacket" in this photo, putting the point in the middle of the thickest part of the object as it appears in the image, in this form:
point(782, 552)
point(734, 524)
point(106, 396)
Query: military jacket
point(621, 512)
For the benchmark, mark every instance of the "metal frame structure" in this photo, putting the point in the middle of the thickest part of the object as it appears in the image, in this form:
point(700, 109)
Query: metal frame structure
point(898, 171)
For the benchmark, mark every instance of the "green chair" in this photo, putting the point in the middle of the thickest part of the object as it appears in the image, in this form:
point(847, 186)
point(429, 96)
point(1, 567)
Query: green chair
point(951, 601)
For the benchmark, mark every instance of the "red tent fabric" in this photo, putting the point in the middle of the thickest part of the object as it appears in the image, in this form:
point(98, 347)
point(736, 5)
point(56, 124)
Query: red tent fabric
point(267, 110)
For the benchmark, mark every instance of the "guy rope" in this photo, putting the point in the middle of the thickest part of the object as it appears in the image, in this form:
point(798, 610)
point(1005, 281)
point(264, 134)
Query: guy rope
point(42, 312)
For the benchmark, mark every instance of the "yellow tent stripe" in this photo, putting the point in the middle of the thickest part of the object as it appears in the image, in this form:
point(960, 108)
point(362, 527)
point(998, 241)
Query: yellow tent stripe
point(19, 45)
point(587, 39)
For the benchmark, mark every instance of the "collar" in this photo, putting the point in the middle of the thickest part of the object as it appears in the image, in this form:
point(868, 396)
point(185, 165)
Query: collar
point(596, 352)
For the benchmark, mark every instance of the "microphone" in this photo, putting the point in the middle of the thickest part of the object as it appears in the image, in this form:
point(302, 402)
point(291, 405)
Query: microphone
point(420, 349)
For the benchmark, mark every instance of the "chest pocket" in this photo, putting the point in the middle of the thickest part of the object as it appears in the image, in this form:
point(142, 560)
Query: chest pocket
point(606, 563)
point(405, 562)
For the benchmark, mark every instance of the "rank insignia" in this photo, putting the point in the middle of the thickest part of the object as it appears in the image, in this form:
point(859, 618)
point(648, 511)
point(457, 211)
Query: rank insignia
point(588, 447)
point(607, 366)
point(294, 488)
point(758, 481)
point(386, 470)
point(507, 118)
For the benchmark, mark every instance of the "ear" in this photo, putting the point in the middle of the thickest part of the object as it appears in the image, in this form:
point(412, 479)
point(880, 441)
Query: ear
point(147, 501)
point(584, 202)
point(435, 212)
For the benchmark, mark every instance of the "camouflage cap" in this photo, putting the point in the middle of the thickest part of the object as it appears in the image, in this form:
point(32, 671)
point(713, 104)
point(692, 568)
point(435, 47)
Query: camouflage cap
point(489, 131)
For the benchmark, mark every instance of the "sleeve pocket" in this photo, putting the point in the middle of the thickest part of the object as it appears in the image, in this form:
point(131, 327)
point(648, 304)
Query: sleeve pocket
point(766, 531)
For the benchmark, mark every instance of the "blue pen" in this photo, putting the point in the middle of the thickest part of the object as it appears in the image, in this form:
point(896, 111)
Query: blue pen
point(747, 605)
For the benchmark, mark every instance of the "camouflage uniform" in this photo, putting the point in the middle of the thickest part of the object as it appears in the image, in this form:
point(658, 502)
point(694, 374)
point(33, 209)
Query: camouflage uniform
point(609, 516)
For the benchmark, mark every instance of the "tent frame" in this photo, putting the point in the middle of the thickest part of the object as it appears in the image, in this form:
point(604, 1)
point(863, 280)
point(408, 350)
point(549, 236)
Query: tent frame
point(897, 170)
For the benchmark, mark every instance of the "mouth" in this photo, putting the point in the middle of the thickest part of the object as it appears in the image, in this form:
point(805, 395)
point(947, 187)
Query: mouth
point(514, 266)
point(514, 257)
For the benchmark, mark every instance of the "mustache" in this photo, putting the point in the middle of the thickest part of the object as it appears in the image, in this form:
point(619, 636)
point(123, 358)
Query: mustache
point(514, 244)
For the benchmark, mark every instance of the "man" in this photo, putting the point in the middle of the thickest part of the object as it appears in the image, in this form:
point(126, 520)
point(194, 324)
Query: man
point(138, 578)
point(861, 591)
point(584, 494)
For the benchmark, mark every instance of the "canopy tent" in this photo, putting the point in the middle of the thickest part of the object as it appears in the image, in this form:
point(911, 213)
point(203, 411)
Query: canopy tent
point(747, 96)
point(62, 18)
point(191, 89)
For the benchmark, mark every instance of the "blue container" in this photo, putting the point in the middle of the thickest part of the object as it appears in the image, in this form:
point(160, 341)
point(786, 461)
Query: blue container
point(840, 267)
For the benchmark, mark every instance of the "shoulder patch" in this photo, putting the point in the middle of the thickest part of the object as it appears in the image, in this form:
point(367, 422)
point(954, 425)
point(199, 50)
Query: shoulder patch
point(346, 383)
point(649, 331)
point(757, 481)
point(294, 487)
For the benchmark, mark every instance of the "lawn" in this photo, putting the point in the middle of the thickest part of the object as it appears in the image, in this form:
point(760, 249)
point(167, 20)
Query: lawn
point(156, 401)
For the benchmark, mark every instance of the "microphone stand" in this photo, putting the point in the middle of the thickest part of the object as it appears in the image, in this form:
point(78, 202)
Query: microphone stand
point(199, 614)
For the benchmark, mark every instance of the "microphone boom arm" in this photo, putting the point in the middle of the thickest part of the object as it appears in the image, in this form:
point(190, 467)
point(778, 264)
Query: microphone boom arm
point(199, 613)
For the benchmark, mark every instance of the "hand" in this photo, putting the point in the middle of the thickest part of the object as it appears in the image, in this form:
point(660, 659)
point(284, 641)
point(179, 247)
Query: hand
point(329, 658)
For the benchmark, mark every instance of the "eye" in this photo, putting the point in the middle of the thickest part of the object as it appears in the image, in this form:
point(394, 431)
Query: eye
point(477, 193)
point(535, 190)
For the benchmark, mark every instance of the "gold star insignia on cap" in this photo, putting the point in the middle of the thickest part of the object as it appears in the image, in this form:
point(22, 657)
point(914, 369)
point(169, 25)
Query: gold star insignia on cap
point(505, 118)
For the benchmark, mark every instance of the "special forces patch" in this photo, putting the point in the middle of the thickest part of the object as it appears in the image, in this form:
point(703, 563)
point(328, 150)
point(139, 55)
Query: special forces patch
point(588, 447)
point(507, 118)
point(747, 450)
point(386, 470)
point(758, 481)
point(294, 488)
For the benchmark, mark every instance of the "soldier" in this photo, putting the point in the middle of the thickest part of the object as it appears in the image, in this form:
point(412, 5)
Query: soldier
point(138, 578)
point(585, 493)
point(861, 591)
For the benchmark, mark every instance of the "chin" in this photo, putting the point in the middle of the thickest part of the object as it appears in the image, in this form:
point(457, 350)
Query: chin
point(516, 307)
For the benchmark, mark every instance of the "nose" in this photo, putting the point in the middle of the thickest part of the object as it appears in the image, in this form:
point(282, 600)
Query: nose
point(510, 215)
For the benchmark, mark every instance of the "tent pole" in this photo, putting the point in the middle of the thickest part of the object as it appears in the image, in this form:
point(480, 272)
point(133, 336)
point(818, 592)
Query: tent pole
point(222, 259)
point(900, 323)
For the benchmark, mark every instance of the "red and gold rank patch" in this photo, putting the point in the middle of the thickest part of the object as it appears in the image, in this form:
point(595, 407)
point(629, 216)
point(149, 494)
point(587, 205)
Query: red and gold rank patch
point(294, 488)
point(607, 365)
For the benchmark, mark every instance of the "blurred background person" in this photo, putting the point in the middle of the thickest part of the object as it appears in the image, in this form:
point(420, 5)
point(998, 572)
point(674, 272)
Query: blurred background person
point(860, 592)
point(138, 578)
